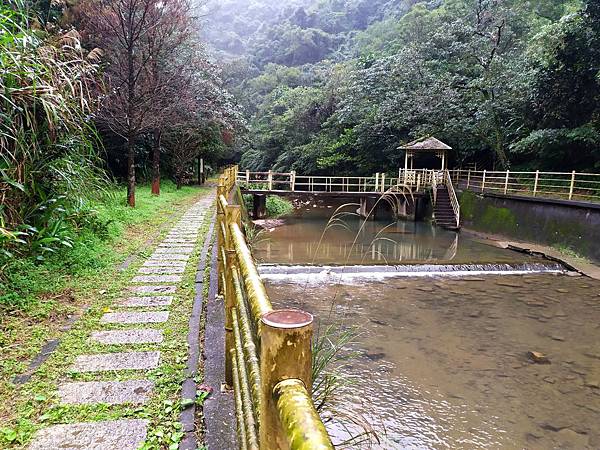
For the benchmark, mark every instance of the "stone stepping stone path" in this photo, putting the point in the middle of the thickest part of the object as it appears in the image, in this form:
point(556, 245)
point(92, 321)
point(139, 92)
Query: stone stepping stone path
point(161, 270)
point(105, 435)
point(157, 279)
point(152, 287)
point(110, 392)
point(146, 302)
point(136, 317)
point(123, 337)
point(105, 362)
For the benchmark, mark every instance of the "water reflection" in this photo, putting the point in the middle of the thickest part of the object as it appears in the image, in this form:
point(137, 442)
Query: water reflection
point(303, 241)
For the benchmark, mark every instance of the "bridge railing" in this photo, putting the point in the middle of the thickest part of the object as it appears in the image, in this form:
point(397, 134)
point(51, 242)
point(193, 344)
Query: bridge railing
point(558, 185)
point(379, 182)
point(268, 352)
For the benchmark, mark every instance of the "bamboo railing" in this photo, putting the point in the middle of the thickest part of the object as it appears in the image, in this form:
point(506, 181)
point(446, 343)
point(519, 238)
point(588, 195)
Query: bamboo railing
point(268, 355)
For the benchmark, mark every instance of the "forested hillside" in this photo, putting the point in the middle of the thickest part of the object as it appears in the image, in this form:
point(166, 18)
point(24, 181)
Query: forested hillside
point(337, 85)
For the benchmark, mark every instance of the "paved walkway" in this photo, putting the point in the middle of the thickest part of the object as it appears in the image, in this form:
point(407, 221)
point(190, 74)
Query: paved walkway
point(153, 289)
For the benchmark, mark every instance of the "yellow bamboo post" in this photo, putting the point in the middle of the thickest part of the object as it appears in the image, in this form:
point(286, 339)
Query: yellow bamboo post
point(506, 183)
point(232, 215)
point(535, 183)
point(572, 185)
point(293, 180)
point(270, 180)
point(285, 353)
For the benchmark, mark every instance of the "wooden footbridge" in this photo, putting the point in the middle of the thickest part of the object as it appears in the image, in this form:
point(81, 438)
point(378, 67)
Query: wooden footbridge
point(404, 192)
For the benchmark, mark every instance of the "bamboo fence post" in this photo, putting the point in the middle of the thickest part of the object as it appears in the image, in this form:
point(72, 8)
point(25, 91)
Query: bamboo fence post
point(285, 353)
point(483, 181)
point(572, 185)
point(376, 181)
point(535, 183)
point(506, 183)
point(248, 176)
point(270, 180)
point(233, 214)
point(293, 180)
point(468, 178)
point(383, 182)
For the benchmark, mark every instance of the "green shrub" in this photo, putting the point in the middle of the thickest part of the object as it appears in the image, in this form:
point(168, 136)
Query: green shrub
point(277, 206)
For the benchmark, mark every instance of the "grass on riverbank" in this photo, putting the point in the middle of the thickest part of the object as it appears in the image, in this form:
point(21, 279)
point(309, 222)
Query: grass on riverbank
point(37, 405)
point(37, 298)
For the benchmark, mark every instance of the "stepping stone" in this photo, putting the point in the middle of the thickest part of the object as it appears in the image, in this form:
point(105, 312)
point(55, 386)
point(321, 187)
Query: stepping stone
point(134, 302)
point(106, 362)
point(167, 257)
point(136, 317)
point(177, 246)
point(110, 392)
point(173, 251)
point(122, 337)
point(154, 263)
point(153, 289)
point(126, 434)
point(157, 279)
point(161, 270)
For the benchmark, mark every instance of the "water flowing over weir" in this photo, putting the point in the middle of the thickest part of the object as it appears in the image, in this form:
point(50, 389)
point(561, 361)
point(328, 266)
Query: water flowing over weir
point(355, 273)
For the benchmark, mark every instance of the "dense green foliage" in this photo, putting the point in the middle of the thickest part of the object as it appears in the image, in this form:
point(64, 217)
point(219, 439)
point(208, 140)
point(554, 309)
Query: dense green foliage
point(337, 85)
point(48, 163)
point(90, 251)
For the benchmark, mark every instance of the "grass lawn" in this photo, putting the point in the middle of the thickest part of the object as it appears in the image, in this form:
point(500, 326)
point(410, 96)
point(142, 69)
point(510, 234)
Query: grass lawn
point(38, 298)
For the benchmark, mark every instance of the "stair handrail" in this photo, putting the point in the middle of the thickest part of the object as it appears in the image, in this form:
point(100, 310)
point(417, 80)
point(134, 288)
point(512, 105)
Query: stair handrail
point(434, 188)
point(453, 197)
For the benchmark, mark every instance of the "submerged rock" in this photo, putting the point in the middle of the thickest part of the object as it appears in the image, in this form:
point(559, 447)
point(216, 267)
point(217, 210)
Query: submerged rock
point(269, 224)
point(538, 357)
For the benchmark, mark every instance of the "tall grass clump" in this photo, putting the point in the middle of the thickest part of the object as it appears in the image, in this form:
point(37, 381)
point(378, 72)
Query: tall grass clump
point(49, 168)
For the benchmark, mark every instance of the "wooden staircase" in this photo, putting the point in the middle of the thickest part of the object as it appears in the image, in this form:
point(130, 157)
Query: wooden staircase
point(446, 209)
point(443, 213)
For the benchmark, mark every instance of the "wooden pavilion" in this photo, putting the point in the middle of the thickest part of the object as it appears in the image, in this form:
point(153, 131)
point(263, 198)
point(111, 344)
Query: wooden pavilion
point(428, 144)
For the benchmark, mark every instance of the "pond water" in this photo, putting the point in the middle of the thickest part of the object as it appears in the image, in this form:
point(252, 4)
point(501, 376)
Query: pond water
point(442, 362)
point(302, 241)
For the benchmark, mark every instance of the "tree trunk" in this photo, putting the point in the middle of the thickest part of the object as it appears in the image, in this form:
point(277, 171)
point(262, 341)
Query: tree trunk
point(156, 163)
point(130, 172)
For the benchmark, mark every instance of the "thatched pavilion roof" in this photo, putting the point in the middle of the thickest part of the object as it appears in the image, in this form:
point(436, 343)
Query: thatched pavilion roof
point(425, 144)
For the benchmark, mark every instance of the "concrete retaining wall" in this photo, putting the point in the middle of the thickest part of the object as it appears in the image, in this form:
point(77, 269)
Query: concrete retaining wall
point(558, 223)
